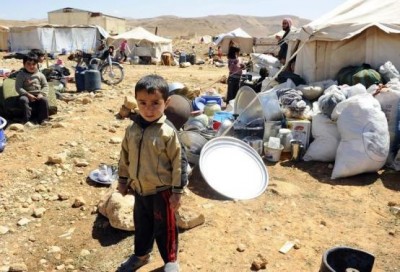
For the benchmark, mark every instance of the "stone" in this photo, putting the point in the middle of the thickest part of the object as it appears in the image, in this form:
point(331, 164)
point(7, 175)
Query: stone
point(241, 247)
point(118, 209)
point(38, 212)
point(84, 252)
point(18, 267)
point(57, 158)
point(78, 202)
point(23, 221)
point(54, 249)
point(16, 127)
point(3, 229)
point(115, 140)
point(81, 163)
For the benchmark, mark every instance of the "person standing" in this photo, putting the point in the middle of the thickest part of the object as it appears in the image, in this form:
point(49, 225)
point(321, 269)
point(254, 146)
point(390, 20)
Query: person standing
point(283, 41)
point(153, 163)
point(122, 50)
point(235, 67)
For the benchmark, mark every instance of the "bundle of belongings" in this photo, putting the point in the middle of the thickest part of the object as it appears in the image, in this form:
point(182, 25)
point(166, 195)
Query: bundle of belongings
point(355, 118)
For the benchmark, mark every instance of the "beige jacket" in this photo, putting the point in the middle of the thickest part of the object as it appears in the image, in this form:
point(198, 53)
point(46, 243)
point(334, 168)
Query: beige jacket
point(153, 159)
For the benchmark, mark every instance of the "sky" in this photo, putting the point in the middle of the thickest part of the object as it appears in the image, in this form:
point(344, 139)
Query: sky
point(37, 9)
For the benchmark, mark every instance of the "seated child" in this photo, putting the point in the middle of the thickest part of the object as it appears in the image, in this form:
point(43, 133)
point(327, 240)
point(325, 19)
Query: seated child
point(33, 88)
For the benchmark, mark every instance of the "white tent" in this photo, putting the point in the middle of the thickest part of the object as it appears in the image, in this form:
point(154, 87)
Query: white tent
point(4, 34)
point(54, 38)
point(143, 43)
point(356, 32)
point(238, 36)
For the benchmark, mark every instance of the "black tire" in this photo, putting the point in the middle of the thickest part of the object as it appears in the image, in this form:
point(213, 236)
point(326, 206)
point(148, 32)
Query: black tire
point(113, 74)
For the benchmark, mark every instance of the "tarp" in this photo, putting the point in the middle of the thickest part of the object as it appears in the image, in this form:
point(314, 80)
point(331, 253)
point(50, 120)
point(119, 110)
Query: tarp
point(142, 43)
point(238, 36)
point(54, 38)
point(4, 34)
point(356, 32)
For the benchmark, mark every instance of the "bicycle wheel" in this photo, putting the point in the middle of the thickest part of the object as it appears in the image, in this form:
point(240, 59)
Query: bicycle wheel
point(112, 74)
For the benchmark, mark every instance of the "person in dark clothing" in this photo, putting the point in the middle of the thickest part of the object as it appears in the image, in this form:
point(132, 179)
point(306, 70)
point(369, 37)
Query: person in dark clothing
point(32, 88)
point(282, 42)
point(235, 66)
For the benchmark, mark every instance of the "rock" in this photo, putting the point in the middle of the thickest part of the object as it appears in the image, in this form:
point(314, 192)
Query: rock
point(63, 196)
point(241, 247)
point(84, 252)
point(16, 127)
point(395, 210)
point(60, 267)
point(38, 212)
point(130, 102)
point(3, 229)
point(36, 197)
point(118, 209)
point(23, 221)
point(189, 222)
point(81, 163)
point(86, 100)
point(259, 263)
point(18, 267)
point(57, 158)
point(54, 249)
point(115, 140)
point(78, 202)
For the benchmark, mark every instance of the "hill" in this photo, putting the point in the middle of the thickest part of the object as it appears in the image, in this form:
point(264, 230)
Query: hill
point(178, 27)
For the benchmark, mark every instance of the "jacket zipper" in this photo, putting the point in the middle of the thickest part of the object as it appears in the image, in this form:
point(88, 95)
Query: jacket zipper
point(138, 161)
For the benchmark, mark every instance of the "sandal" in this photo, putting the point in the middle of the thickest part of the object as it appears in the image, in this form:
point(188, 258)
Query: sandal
point(133, 263)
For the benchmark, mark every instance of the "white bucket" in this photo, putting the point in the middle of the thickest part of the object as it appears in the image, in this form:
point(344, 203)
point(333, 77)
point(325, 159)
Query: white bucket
point(272, 154)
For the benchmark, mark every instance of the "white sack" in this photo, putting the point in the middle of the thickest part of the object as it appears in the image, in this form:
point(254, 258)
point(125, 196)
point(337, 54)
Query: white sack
point(388, 71)
point(364, 134)
point(390, 104)
point(326, 140)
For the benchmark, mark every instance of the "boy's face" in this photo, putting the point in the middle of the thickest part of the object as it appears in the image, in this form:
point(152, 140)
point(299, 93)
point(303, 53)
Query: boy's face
point(30, 66)
point(151, 106)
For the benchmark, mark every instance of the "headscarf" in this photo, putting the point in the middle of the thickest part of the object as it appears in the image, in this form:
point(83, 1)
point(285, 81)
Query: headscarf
point(289, 21)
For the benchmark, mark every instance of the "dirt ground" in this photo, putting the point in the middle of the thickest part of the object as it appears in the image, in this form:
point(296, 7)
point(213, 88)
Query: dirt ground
point(301, 202)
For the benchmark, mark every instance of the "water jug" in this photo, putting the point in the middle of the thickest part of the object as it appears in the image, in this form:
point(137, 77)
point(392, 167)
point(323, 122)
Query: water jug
point(80, 78)
point(92, 80)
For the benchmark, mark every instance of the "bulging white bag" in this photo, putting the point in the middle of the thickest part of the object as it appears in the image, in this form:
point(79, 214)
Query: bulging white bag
point(363, 129)
point(326, 140)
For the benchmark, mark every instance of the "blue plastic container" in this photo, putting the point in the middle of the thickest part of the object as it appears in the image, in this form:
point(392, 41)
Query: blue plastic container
point(212, 97)
point(3, 139)
point(92, 80)
point(80, 78)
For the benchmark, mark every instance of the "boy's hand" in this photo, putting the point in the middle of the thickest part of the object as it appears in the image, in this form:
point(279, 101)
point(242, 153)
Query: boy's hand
point(31, 97)
point(175, 201)
point(122, 188)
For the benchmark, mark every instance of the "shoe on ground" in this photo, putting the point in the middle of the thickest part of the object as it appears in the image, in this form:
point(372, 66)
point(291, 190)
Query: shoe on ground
point(171, 267)
point(133, 263)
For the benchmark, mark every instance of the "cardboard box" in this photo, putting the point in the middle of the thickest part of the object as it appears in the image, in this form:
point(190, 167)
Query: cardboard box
point(301, 130)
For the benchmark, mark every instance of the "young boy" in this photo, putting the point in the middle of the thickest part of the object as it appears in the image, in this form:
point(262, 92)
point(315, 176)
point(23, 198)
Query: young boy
point(32, 87)
point(153, 163)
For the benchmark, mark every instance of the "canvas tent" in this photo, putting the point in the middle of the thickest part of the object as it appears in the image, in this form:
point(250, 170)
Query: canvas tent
point(55, 38)
point(142, 43)
point(4, 34)
point(239, 36)
point(356, 32)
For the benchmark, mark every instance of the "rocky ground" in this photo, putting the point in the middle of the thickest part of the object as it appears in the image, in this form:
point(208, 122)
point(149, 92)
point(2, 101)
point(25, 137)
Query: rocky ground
point(49, 219)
